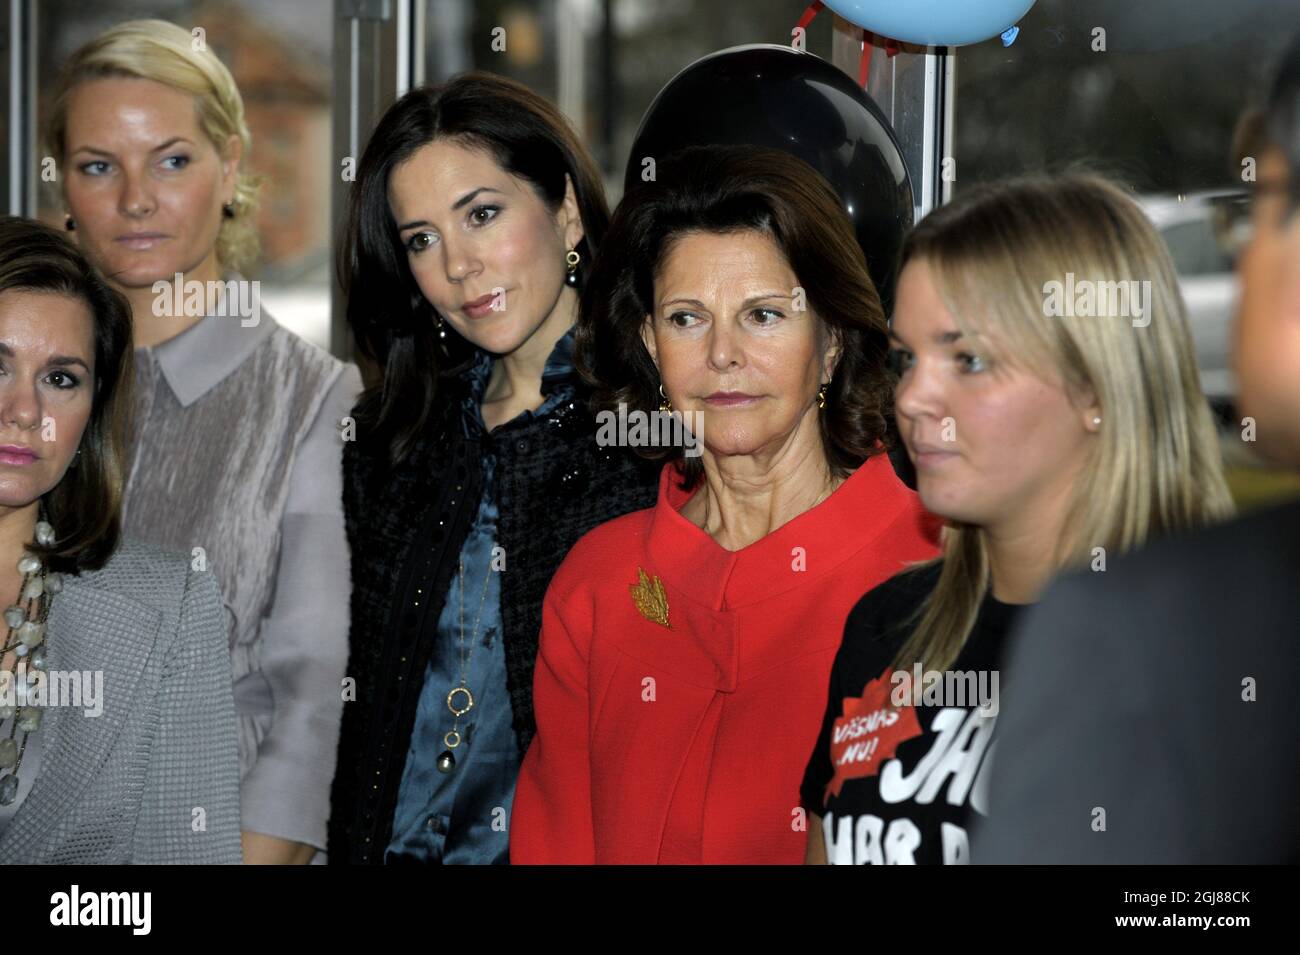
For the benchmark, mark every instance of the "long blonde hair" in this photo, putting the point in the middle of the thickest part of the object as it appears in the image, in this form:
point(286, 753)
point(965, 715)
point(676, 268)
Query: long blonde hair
point(165, 53)
point(1155, 467)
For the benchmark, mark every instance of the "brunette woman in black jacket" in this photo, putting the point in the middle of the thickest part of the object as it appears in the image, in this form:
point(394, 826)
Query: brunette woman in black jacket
point(474, 464)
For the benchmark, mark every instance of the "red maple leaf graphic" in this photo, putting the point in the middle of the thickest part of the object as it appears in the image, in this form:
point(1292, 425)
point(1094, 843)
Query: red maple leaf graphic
point(868, 733)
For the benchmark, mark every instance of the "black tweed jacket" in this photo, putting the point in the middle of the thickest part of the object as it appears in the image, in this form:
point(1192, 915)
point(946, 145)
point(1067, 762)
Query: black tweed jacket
point(554, 484)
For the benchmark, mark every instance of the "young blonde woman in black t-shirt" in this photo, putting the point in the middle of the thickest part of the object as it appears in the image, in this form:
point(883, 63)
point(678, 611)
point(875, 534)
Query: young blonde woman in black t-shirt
point(1049, 398)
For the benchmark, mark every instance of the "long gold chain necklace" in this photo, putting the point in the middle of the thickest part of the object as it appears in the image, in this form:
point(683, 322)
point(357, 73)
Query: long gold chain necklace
point(460, 700)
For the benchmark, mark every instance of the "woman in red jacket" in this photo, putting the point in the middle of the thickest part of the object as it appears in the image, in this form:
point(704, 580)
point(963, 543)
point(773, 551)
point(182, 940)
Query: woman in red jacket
point(685, 649)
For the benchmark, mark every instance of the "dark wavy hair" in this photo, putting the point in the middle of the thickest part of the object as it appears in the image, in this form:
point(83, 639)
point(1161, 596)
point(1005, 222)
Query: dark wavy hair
point(1281, 114)
point(391, 321)
point(725, 189)
point(85, 507)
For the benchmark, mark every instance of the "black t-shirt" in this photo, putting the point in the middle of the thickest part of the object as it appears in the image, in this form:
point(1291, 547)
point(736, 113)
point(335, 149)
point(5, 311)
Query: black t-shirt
point(896, 784)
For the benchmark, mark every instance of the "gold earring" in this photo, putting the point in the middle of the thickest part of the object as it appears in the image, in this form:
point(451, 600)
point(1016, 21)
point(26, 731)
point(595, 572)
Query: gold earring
point(571, 260)
point(821, 397)
point(665, 404)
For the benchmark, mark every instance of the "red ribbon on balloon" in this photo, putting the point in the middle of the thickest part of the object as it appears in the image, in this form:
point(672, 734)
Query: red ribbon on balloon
point(868, 39)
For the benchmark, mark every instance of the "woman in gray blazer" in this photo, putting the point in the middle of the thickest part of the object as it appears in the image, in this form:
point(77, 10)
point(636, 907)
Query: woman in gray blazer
point(117, 721)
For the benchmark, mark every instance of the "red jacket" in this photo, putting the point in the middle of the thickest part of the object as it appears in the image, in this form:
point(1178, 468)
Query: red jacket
point(686, 743)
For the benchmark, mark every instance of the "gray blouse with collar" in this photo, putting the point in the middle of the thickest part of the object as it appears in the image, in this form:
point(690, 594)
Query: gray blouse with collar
point(236, 463)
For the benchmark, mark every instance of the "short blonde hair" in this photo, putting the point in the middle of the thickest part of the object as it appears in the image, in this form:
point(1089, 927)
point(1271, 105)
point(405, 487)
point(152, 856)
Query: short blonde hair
point(1156, 467)
point(164, 52)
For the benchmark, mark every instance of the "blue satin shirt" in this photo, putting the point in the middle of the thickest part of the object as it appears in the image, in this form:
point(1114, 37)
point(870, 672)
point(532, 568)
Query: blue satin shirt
point(462, 816)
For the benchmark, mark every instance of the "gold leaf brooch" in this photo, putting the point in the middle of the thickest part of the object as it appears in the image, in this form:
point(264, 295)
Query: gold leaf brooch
point(650, 599)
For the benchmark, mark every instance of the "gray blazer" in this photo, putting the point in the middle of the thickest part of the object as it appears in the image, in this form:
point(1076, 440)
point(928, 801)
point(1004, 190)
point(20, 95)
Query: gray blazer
point(154, 778)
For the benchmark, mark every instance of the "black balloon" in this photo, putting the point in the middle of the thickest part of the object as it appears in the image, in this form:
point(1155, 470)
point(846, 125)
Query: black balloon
point(768, 95)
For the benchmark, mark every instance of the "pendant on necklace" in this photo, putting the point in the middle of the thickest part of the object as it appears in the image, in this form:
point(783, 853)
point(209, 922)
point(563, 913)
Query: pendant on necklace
point(446, 762)
point(465, 697)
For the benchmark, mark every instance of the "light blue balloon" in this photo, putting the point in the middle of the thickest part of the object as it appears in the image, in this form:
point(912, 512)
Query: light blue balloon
point(933, 22)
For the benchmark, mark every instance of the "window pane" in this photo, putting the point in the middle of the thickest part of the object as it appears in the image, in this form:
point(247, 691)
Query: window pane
point(1156, 107)
point(1149, 93)
point(646, 44)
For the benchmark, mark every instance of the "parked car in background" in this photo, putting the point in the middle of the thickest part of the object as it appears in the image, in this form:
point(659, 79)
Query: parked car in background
point(1208, 280)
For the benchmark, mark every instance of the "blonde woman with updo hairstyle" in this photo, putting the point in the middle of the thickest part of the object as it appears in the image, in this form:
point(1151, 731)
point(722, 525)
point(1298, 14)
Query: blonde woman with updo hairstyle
point(236, 452)
point(1049, 397)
